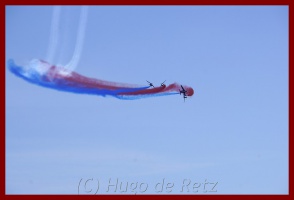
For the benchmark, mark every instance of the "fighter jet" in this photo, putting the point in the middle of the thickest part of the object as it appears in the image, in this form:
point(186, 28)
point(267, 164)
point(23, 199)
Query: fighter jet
point(183, 91)
point(150, 84)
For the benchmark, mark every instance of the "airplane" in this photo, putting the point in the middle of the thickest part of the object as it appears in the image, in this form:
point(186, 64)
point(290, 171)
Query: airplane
point(162, 84)
point(183, 91)
point(150, 84)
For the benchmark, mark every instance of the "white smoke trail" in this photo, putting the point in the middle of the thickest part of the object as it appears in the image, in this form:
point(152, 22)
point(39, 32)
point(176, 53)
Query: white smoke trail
point(80, 39)
point(53, 41)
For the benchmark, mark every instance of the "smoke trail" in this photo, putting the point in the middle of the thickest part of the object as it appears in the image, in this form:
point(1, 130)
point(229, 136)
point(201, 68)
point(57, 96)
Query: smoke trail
point(80, 39)
point(53, 41)
point(42, 73)
point(65, 79)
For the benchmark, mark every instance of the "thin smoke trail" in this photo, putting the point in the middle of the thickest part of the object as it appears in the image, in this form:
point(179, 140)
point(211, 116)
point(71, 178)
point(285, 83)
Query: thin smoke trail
point(53, 41)
point(80, 40)
point(44, 74)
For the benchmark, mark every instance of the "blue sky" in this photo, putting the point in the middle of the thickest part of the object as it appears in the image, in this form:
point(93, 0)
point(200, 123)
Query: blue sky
point(233, 133)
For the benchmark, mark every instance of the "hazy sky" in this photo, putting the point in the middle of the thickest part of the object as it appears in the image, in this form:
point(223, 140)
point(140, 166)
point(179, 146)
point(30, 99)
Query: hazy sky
point(232, 134)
